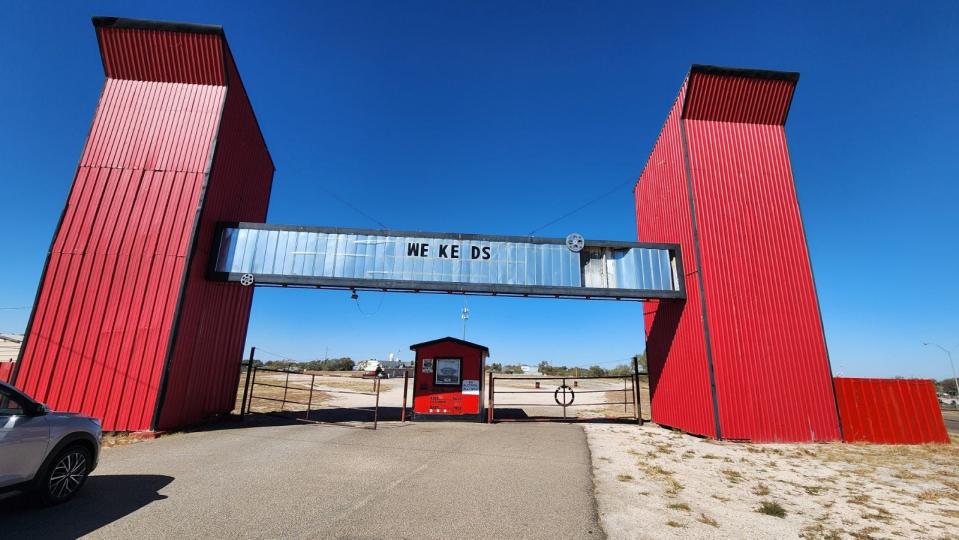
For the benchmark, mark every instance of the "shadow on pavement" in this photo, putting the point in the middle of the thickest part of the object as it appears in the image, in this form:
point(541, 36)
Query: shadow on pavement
point(354, 418)
point(506, 414)
point(103, 500)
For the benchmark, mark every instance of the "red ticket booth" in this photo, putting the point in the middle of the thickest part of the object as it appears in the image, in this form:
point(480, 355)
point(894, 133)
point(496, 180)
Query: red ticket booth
point(448, 380)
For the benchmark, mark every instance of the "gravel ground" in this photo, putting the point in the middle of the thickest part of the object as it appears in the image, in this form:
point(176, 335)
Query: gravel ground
point(417, 480)
point(655, 483)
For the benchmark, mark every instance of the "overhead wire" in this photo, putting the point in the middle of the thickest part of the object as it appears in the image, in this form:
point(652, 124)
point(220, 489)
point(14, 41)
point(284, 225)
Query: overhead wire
point(583, 206)
point(354, 207)
point(278, 355)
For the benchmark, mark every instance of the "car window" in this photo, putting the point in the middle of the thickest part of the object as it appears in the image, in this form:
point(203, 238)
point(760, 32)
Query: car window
point(9, 405)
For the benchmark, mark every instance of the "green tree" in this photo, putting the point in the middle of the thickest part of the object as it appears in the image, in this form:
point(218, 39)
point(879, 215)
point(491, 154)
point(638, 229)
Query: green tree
point(622, 369)
point(596, 371)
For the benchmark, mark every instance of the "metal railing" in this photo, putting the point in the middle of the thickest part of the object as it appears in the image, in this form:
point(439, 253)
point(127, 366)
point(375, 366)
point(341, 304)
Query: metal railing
point(298, 392)
point(564, 391)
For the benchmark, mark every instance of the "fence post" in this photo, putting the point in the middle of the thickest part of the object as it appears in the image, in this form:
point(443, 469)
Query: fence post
point(249, 404)
point(564, 398)
point(637, 397)
point(406, 382)
point(491, 414)
point(286, 386)
point(376, 411)
point(246, 383)
point(310, 405)
point(626, 403)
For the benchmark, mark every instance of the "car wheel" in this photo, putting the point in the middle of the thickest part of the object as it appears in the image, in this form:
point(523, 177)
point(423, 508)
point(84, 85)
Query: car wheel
point(66, 475)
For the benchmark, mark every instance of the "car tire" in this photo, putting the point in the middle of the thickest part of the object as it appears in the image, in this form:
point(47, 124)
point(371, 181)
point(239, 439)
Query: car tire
point(64, 475)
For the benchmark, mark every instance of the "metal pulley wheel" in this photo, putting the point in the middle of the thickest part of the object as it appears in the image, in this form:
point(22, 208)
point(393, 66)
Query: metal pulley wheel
point(575, 242)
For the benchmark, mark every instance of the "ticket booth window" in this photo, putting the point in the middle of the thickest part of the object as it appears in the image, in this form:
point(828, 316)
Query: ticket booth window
point(449, 371)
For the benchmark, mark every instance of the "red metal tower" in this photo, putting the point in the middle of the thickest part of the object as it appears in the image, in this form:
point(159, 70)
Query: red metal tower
point(124, 326)
point(744, 357)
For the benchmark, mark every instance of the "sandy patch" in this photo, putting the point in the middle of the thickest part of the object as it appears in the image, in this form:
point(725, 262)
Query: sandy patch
point(655, 483)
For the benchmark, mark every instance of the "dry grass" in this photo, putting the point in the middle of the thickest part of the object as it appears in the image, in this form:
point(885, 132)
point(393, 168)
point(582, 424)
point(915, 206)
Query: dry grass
point(820, 532)
point(117, 438)
point(624, 477)
point(771, 508)
point(865, 533)
point(761, 490)
point(733, 476)
point(703, 518)
point(903, 474)
point(820, 491)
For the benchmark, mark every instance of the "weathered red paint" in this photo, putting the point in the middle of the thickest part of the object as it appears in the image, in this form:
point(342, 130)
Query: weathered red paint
point(122, 298)
point(890, 411)
point(752, 313)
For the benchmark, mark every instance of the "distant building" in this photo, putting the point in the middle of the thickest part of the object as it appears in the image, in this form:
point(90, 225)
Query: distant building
point(530, 370)
point(10, 347)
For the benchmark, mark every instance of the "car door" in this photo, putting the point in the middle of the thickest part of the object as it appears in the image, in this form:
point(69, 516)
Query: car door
point(23, 440)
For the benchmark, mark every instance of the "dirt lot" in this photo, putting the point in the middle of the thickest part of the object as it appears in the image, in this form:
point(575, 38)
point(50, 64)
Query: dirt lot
point(593, 398)
point(654, 483)
point(291, 391)
point(515, 397)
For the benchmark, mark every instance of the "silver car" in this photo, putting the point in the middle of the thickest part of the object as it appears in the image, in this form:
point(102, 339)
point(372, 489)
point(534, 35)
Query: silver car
point(48, 453)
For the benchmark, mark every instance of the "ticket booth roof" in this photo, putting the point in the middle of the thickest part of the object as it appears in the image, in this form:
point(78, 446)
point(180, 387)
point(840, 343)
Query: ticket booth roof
point(452, 340)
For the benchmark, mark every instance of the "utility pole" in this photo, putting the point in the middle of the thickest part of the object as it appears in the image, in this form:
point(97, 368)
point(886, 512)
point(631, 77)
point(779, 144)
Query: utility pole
point(465, 316)
point(955, 380)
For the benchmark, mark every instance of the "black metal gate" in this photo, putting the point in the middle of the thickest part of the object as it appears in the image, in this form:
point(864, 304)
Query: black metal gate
point(297, 395)
point(564, 398)
point(567, 396)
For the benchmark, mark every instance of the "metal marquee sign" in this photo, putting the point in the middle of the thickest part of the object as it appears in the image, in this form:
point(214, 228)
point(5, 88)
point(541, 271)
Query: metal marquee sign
point(328, 257)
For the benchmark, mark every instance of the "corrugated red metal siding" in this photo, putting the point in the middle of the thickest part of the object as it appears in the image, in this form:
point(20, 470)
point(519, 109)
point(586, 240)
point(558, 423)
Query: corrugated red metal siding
point(764, 322)
point(890, 411)
point(101, 331)
point(204, 368)
point(746, 261)
point(722, 98)
point(675, 340)
point(6, 369)
point(123, 239)
point(162, 56)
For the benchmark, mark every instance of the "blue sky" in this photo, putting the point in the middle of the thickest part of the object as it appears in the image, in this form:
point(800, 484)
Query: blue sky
point(497, 117)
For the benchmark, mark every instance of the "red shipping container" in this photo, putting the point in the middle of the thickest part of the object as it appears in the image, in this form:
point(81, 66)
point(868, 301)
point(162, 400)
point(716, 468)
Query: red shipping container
point(890, 411)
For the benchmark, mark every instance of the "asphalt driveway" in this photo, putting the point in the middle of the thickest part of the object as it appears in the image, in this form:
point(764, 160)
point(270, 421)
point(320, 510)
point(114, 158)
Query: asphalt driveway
point(423, 480)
